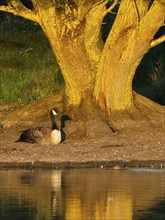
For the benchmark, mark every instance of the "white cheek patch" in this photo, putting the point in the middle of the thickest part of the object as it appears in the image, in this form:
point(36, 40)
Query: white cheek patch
point(54, 112)
point(55, 137)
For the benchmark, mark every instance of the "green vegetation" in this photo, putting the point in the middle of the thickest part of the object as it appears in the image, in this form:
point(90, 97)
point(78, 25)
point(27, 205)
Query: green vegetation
point(149, 78)
point(28, 69)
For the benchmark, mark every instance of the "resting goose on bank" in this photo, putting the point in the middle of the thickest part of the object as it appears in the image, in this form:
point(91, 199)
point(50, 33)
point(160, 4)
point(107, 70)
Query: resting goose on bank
point(45, 135)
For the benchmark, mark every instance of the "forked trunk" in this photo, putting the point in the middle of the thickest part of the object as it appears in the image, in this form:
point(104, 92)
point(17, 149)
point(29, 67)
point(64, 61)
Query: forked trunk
point(126, 45)
point(93, 71)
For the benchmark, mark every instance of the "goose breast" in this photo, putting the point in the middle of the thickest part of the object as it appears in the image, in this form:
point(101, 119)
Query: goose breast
point(55, 136)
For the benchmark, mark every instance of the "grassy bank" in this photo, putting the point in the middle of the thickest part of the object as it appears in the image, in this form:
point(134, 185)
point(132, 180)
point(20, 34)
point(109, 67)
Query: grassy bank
point(28, 69)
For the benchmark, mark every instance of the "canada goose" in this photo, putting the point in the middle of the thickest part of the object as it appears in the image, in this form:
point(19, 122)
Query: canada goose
point(45, 135)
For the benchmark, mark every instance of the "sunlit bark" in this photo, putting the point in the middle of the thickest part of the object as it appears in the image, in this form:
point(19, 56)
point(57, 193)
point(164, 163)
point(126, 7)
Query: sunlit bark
point(94, 71)
point(66, 38)
point(128, 41)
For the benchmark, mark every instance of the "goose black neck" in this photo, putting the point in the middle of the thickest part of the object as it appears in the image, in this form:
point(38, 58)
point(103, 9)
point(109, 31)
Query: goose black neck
point(64, 118)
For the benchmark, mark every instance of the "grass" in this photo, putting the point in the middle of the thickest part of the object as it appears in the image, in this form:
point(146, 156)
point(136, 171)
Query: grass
point(28, 69)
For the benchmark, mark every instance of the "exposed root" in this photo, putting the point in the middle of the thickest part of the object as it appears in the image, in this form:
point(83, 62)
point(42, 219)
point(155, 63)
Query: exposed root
point(145, 112)
point(154, 113)
point(87, 120)
point(32, 113)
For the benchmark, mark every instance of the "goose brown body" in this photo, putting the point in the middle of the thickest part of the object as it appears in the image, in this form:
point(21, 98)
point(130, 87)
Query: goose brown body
point(44, 135)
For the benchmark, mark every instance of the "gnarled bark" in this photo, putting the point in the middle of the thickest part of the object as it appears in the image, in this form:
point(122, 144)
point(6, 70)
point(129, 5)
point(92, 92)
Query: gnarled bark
point(128, 41)
point(94, 72)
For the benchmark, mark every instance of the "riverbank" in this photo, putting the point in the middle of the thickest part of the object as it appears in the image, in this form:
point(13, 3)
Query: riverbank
point(140, 148)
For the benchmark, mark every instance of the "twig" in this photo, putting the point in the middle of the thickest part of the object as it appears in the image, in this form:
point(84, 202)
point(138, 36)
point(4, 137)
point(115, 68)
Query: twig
point(112, 6)
point(100, 2)
point(157, 41)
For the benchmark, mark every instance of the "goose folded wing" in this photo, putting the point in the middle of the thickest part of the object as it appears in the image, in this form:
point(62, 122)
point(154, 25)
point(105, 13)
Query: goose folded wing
point(32, 135)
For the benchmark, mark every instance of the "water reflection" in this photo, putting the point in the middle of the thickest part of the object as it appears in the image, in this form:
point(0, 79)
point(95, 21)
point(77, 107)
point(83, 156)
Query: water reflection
point(82, 194)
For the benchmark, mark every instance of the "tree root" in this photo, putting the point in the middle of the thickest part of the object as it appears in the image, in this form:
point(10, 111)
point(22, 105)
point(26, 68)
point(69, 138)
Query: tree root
point(32, 113)
point(90, 122)
point(144, 113)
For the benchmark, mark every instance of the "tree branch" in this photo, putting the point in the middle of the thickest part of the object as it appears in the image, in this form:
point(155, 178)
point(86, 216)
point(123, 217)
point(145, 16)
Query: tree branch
point(84, 9)
point(18, 9)
point(157, 41)
point(141, 7)
point(103, 2)
point(148, 26)
point(92, 39)
point(112, 6)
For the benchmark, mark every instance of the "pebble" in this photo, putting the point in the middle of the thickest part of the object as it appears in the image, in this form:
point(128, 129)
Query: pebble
point(116, 167)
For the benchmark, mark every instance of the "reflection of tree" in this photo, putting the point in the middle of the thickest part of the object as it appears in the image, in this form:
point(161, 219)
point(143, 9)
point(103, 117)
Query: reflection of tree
point(147, 188)
point(108, 194)
point(82, 194)
point(104, 195)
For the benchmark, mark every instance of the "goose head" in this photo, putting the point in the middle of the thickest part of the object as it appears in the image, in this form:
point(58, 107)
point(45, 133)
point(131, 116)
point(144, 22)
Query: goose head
point(64, 118)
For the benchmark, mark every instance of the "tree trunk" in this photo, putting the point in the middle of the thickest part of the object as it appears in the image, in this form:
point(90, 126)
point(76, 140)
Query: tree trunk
point(68, 46)
point(129, 39)
point(93, 71)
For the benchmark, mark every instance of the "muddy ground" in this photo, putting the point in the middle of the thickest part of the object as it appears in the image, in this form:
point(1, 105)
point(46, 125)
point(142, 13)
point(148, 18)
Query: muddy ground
point(144, 147)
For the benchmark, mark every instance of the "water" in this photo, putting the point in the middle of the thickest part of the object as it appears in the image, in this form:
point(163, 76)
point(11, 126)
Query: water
point(82, 194)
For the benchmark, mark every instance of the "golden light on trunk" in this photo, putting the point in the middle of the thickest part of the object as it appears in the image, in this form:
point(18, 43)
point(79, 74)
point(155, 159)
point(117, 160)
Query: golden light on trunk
point(95, 72)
